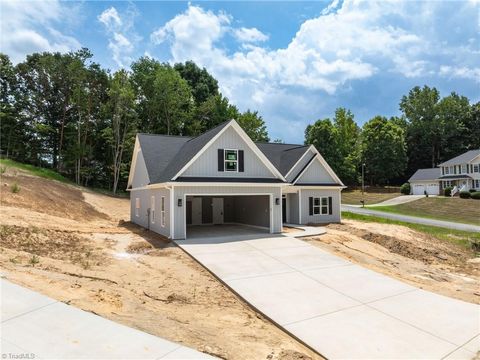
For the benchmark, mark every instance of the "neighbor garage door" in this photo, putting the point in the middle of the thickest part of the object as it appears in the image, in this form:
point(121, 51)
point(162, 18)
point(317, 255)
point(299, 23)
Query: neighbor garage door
point(430, 188)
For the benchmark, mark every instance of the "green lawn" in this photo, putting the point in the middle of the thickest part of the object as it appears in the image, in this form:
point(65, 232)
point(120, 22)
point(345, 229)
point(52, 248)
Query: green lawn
point(52, 175)
point(441, 208)
point(353, 197)
point(463, 238)
point(34, 170)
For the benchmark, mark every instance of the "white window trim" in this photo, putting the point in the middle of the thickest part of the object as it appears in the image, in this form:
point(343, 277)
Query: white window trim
point(137, 207)
point(320, 206)
point(152, 209)
point(162, 212)
point(225, 160)
point(476, 168)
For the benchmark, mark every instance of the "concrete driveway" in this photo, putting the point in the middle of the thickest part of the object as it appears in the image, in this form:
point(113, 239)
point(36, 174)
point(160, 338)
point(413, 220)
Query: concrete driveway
point(342, 310)
point(36, 326)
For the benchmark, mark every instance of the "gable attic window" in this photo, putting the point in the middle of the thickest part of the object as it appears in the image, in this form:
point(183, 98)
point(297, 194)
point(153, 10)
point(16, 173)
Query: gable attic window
point(231, 160)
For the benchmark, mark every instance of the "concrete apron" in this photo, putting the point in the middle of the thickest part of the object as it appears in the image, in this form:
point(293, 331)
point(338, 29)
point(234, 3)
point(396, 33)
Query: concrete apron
point(336, 308)
point(34, 324)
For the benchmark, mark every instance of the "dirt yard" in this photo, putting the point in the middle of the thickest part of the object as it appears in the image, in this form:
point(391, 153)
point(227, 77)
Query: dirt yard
point(58, 240)
point(416, 258)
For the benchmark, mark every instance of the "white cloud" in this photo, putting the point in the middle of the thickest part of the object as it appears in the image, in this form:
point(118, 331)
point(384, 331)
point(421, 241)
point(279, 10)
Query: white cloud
point(349, 41)
point(249, 35)
point(30, 27)
point(460, 72)
point(110, 18)
point(122, 38)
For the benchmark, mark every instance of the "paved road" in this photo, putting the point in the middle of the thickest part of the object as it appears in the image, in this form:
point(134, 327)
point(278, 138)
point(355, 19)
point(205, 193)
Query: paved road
point(32, 323)
point(340, 309)
point(411, 219)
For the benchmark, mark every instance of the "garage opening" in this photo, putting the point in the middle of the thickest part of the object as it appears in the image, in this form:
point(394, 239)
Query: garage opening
point(217, 215)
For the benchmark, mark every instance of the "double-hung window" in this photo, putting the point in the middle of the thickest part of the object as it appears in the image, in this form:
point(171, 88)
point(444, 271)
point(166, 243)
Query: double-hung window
point(231, 160)
point(320, 206)
point(476, 168)
point(447, 170)
point(162, 212)
point(152, 209)
point(137, 207)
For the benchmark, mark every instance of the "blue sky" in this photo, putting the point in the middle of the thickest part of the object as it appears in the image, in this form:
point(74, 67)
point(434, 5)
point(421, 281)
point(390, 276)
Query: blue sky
point(294, 62)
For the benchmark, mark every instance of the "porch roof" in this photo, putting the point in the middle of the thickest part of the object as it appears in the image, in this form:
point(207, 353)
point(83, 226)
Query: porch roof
point(454, 177)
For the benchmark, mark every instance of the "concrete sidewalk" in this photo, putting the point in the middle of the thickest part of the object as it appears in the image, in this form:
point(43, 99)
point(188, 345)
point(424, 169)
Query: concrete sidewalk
point(411, 219)
point(340, 309)
point(36, 324)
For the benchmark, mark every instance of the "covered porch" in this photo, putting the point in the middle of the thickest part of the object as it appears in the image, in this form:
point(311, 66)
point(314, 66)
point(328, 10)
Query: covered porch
point(458, 182)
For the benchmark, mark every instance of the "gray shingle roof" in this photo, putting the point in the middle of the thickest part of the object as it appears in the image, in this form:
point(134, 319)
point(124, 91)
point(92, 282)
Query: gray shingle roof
point(462, 159)
point(166, 155)
point(425, 174)
point(282, 156)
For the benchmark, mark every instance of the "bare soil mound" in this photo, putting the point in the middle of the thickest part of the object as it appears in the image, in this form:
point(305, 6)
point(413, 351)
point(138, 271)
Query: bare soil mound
point(48, 197)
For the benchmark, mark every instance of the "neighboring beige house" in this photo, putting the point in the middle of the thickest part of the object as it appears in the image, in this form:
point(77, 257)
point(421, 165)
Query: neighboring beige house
point(223, 177)
point(461, 173)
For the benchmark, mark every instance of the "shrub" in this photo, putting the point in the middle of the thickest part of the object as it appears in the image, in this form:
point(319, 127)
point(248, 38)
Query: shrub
point(465, 194)
point(472, 190)
point(447, 191)
point(15, 187)
point(405, 189)
point(476, 195)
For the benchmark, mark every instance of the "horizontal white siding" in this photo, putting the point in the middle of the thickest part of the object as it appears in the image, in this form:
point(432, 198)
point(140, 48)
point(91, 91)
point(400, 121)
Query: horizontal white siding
point(319, 219)
point(143, 220)
point(180, 192)
point(207, 164)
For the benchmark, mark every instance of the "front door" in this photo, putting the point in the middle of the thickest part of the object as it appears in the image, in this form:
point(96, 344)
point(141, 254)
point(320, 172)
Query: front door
point(196, 211)
point(284, 209)
point(217, 204)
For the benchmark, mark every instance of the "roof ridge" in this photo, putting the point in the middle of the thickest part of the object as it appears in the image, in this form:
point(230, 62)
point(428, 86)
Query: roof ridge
point(165, 135)
point(210, 130)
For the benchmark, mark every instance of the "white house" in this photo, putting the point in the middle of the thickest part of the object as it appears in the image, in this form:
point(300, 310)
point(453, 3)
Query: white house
point(177, 183)
point(461, 173)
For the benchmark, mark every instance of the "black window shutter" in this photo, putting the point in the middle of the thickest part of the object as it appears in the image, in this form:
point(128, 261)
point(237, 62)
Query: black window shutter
point(240, 161)
point(329, 205)
point(310, 206)
point(221, 160)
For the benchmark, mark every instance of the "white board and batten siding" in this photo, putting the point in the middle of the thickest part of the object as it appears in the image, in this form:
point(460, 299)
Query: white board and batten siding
point(315, 174)
point(140, 174)
point(300, 165)
point(420, 187)
point(181, 192)
point(207, 163)
point(154, 221)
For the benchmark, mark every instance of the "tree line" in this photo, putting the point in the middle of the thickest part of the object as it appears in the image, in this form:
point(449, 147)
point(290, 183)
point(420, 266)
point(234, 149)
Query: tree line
point(430, 130)
point(66, 112)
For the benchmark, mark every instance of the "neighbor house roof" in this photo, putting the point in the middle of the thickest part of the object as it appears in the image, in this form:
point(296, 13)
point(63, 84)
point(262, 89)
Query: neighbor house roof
point(425, 175)
point(462, 159)
point(166, 155)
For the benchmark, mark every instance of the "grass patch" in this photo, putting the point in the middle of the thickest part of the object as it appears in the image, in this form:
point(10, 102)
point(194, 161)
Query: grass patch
point(440, 208)
point(34, 170)
point(467, 239)
point(355, 196)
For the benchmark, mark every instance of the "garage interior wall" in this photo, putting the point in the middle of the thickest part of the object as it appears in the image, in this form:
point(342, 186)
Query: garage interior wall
point(248, 209)
point(181, 191)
